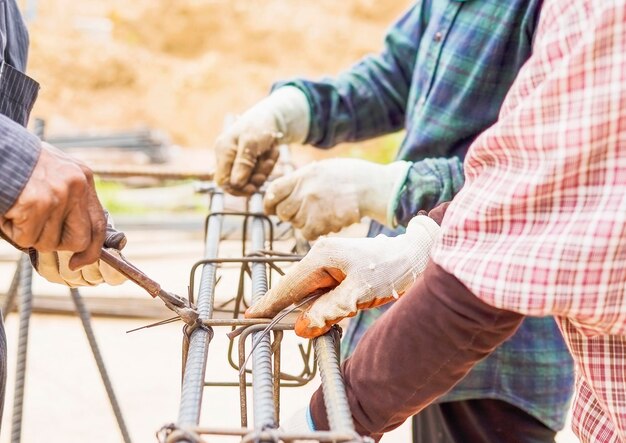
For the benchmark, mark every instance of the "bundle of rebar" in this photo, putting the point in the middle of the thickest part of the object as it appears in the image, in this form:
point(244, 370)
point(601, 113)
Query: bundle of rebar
point(266, 372)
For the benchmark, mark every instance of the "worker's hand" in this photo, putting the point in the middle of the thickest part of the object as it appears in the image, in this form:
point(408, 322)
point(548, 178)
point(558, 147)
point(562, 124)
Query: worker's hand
point(248, 149)
point(355, 273)
point(54, 266)
point(58, 210)
point(328, 195)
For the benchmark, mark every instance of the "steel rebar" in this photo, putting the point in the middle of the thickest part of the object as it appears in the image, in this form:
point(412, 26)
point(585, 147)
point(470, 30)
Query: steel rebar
point(26, 304)
point(262, 374)
point(335, 399)
point(9, 301)
point(85, 318)
point(193, 378)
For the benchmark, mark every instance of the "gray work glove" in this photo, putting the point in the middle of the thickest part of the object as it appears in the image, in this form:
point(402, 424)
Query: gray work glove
point(329, 195)
point(246, 151)
point(54, 266)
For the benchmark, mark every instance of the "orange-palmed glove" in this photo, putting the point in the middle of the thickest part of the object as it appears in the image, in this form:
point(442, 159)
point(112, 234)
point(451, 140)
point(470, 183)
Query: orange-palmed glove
point(356, 273)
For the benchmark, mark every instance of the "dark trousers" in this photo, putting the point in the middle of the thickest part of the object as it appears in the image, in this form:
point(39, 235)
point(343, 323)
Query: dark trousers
point(478, 421)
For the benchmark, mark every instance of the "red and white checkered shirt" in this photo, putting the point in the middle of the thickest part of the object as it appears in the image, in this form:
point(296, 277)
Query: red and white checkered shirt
point(540, 226)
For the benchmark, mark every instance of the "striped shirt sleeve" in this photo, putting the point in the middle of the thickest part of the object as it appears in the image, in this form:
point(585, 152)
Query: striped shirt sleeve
point(19, 151)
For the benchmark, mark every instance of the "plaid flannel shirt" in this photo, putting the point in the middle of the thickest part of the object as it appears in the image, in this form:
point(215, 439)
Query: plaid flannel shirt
point(540, 225)
point(443, 74)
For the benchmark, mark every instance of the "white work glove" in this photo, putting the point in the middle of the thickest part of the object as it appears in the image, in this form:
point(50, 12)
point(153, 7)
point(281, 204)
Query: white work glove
point(54, 266)
point(354, 273)
point(248, 149)
point(328, 195)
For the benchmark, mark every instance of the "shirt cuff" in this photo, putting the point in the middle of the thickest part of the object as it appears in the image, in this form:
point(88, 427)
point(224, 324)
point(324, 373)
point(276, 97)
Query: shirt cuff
point(394, 197)
point(19, 152)
point(292, 112)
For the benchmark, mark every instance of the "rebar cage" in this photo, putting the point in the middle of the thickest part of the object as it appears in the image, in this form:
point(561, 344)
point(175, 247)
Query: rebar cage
point(259, 262)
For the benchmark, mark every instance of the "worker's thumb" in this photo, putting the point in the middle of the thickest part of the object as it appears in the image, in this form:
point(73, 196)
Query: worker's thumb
point(304, 279)
point(249, 149)
point(278, 191)
point(327, 310)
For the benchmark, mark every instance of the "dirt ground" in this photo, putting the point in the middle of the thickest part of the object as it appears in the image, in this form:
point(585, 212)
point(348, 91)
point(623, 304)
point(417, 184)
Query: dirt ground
point(181, 66)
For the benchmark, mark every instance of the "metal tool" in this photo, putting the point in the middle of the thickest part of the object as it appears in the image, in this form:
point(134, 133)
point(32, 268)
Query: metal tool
point(187, 312)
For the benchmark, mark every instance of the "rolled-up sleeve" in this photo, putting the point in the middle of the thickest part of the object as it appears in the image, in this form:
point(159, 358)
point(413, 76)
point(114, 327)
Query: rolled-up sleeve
point(427, 184)
point(19, 151)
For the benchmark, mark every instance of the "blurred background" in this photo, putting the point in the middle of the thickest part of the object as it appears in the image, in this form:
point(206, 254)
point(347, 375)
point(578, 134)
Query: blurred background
point(160, 77)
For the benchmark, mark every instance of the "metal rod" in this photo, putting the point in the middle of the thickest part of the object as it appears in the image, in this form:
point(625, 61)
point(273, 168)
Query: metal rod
point(193, 378)
point(160, 174)
point(26, 303)
point(9, 302)
point(262, 389)
point(335, 399)
point(85, 318)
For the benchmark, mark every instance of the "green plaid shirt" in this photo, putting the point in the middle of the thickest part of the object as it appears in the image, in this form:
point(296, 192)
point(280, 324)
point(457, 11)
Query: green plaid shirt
point(442, 76)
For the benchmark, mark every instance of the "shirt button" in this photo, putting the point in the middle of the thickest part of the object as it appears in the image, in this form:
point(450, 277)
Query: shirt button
point(438, 36)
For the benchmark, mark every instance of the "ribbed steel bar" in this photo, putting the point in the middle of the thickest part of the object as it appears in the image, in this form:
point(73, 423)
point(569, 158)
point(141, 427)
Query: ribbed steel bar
point(262, 384)
point(335, 399)
point(26, 304)
point(9, 301)
point(193, 378)
point(85, 318)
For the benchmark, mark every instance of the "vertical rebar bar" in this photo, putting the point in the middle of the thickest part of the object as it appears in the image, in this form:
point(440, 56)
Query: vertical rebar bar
point(193, 378)
point(85, 318)
point(262, 387)
point(335, 399)
point(9, 301)
point(26, 306)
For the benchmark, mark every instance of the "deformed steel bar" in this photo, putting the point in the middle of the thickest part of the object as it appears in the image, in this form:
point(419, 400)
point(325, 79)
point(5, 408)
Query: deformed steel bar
point(322, 436)
point(254, 330)
point(216, 261)
point(335, 399)
point(26, 303)
point(9, 302)
point(85, 318)
point(262, 389)
point(193, 378)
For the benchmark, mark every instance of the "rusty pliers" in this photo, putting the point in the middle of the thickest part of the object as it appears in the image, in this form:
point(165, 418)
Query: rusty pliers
point(117, 240)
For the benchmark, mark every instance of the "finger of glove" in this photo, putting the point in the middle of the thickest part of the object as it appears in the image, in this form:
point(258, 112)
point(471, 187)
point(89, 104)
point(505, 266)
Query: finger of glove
point(47, 265)
point(264, 167)
point(109, 275)
point(249, 149)
point(247, 190)
point(225, 153)
point(277, 192)
point(71, 278)
point(302, 280)
point(327, 310)
point(315, 220)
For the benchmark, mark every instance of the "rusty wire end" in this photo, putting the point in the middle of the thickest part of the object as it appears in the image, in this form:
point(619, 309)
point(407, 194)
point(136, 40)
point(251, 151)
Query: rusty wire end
point(282, 314)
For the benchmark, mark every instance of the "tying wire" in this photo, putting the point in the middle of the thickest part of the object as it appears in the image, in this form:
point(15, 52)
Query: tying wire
point(284, 313)
point(158, 323)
